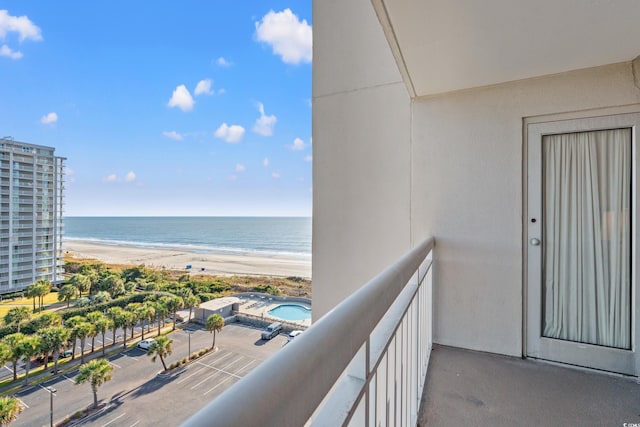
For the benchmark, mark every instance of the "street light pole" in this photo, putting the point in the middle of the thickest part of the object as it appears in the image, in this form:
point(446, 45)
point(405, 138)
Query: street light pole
point(189, 355)
point(51, 391)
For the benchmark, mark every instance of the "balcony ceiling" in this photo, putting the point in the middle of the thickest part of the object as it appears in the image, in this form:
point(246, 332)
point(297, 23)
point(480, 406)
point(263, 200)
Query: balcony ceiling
point(448, 45)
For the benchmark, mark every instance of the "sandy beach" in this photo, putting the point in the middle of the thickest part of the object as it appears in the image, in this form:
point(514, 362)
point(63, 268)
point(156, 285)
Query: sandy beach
point(249, 264)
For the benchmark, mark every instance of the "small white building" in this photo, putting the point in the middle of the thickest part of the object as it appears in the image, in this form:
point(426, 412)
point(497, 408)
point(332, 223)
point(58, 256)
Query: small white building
point(222, 306)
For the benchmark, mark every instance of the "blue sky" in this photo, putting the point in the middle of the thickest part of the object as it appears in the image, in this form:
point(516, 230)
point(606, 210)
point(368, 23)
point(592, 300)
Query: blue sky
point(164, 107)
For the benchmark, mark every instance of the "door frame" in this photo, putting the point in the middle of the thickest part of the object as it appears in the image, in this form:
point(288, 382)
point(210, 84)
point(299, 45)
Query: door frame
point(534, 345)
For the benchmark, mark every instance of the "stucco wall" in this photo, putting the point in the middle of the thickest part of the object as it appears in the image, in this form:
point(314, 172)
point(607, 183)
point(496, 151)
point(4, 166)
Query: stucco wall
point(467, 156)
point(361, 152)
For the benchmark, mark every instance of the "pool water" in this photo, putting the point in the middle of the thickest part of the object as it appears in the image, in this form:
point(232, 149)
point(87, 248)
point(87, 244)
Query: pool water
point(292, 312)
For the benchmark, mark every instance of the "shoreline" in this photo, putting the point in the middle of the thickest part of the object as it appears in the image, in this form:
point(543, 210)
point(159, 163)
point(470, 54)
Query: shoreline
point(202, 263)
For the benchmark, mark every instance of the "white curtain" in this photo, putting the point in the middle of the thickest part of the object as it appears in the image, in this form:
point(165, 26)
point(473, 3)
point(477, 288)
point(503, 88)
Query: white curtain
point(587, 241)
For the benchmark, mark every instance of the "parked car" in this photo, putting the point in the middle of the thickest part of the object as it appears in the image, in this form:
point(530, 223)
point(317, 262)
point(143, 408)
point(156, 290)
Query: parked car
point(271, 331)
point(145, 344)
point(292, 335)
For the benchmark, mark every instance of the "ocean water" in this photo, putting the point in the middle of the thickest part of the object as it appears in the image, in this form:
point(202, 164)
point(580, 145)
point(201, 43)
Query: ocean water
point(231, 235)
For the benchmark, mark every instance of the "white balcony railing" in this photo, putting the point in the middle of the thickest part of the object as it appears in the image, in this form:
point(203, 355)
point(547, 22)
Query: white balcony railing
point(364, 363)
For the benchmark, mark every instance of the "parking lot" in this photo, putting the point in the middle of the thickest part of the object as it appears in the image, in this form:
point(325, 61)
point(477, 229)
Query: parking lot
point(137, 396)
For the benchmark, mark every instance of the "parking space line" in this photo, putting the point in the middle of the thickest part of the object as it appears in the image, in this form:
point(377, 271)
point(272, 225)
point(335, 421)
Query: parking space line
point(205, 380)
point(135, 424)
point(119, 416)
point(70, 379)
point(117, 366)
point(23, 404)
point(186, 378)
point(8, 369)
point(216, 386)
point(248, 364)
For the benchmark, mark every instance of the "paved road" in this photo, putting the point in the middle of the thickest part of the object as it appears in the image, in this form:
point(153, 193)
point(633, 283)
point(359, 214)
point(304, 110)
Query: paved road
point(139, 397)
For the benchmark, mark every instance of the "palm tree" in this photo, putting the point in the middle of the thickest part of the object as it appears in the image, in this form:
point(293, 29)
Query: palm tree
point(96, 373)
point(161, 313)
point(71, 324)
point(192, 302)
point(50, 318)
point(52, 339)
point(14, 341)
point(134, 309)
point(150, 313)
point(66, 293)
point(10, 408)
point(30, 347)
point(215, 323)
point(43, 287)
point(31, 291)
point(94, 317)
point(162, 347)
point(82, 330)
point(127, 319)
point(17, 315)
point(102, 325)
point(81, 282)
point(172, 303)
point(115, 315)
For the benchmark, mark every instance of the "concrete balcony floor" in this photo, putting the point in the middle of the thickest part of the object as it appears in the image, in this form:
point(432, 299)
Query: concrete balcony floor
point(467, 388)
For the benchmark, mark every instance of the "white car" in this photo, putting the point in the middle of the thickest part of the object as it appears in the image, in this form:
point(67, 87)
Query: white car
point(145, 344)
point(293, 334)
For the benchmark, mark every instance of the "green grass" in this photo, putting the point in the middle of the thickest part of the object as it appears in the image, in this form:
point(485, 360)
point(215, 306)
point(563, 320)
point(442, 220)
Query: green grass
point(49, 299)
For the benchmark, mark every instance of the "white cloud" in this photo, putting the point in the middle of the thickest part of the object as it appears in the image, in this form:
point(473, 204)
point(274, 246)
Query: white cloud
point(223, 62)
point(129, 177)
point(18, 24)
point(182, 99)
point(265, 162)
point(308, 158)
point(287, 35)
point(231, 134)
point(172, 135)
point(297, 145)
point(264, 124)
point(221, 91)
point(240, 168)
point(203, 88)
point(6, 51)
point(275, 175)
point(22, 25)
point(49, 119)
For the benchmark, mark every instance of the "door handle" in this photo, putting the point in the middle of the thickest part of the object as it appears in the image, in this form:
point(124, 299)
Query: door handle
point(534, 242)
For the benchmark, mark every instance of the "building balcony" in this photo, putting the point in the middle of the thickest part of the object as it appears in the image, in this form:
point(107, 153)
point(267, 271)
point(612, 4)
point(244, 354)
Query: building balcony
point(370, 362)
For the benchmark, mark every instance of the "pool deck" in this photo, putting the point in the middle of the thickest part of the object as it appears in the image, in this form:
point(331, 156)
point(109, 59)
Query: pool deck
point(258, 305)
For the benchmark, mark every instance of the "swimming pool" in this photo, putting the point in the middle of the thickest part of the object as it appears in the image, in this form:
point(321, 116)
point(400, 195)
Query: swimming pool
point(291, 312)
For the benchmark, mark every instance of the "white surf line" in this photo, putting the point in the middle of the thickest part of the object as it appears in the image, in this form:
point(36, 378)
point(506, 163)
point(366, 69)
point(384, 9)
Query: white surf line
point(186, 378)
point(216, 386)
point(70, 379)
point(119, 416)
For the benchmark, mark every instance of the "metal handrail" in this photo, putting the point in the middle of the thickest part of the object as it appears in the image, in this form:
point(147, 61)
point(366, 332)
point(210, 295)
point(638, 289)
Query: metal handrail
point(318, 357)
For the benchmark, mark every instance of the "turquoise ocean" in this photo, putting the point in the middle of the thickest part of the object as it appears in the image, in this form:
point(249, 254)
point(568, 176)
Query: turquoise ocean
point(270, 236)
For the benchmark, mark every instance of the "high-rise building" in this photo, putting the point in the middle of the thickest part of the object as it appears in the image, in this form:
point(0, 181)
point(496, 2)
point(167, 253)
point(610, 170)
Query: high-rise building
point(31, 202)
